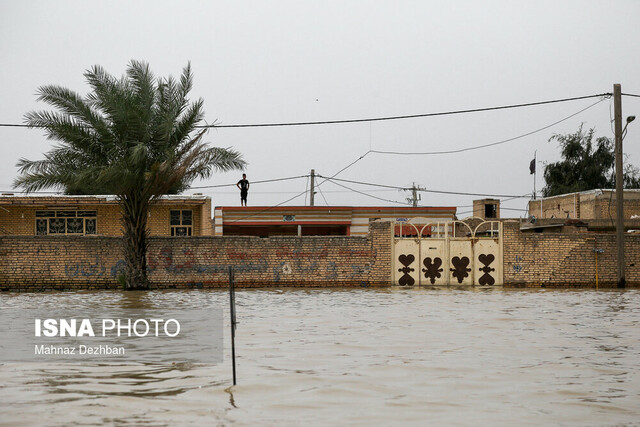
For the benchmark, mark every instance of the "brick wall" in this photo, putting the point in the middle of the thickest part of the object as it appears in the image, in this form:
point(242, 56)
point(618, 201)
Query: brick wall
point(586, 205)
point(565, 260)
point(565, 206)
point(29, 263)
point(605, 210)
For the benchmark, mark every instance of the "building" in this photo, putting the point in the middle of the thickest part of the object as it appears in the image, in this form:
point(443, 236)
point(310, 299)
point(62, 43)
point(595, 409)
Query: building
point(178, 215)
point(316, 220)
point(586, 205)
point(100, 216)
point(486, 208)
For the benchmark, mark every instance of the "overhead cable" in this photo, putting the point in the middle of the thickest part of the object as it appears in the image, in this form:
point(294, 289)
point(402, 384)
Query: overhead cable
point(410, 116)
point(304, 192)
point(379, 119)
point(365, 194)
point(252, 182)
point(427, 191)
point(486, 145)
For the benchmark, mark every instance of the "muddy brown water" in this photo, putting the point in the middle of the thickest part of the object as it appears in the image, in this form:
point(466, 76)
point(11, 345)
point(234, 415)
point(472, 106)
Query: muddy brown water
point(359, 357)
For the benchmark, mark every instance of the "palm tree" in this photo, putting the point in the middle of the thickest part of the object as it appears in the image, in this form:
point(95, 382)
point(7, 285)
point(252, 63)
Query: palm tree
point(135, 137)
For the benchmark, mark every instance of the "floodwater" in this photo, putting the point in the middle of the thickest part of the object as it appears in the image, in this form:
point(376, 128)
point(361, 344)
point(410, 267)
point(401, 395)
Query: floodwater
point(359, 357)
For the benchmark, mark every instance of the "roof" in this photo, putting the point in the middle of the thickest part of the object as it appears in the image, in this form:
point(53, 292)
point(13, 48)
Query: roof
point(389, 209)
point(595, 193)
point(59, 199)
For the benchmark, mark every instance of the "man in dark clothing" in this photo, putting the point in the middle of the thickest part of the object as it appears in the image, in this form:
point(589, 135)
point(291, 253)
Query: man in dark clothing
point(243, 185)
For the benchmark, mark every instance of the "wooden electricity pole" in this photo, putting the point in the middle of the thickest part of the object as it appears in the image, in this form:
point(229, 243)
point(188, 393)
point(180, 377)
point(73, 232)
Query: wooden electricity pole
point(617, 108)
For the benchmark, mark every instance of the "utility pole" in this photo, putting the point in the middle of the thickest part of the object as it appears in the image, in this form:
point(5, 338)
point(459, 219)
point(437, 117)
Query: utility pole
point(617, 109)
point(414, 195)
point(313, 187)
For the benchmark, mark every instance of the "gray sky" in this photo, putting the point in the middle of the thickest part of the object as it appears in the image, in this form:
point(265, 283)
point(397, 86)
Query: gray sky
point(288, 61)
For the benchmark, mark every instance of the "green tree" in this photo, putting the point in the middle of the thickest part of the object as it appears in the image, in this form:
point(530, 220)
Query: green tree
point(135, 137)
point(586, 165)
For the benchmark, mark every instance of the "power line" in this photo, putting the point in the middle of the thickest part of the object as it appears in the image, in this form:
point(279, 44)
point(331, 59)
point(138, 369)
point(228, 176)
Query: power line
point(411, 116)
point(322, 194)
point(378, 119)
point(473, 194)
point(365, 194)
point(287, 192)
point(190, 188)
point(502, 208)
point(630, 94)
point(366, 183)
point(305, 189)
point(457, 193)
point(304, 192)
point(491, 144)
point(348, 166)
point(253, 182)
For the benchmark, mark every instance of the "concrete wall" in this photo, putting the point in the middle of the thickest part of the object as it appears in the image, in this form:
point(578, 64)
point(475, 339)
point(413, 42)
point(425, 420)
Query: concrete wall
point(30, 263)
point(565, 260)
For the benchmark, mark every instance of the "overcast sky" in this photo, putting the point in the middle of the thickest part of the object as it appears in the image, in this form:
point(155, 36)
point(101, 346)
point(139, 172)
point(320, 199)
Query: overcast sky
point(291, 61)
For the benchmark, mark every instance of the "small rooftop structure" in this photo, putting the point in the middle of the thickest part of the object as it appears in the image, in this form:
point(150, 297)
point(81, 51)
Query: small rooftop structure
point(486, 208)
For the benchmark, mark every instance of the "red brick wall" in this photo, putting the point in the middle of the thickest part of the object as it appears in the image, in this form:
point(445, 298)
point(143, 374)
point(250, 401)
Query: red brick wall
point(44, 262)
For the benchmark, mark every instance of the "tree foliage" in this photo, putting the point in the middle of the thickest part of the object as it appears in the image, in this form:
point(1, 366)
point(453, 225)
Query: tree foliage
point(586, 165)
point(135, 137)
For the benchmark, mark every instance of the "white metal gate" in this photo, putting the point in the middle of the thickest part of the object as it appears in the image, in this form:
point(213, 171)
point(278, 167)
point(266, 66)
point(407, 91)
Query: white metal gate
point(454, 253)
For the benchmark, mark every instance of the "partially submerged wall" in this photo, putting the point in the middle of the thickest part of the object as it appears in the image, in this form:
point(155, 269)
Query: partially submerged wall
point(44, 262)
point(29, 263)
point(566, 260)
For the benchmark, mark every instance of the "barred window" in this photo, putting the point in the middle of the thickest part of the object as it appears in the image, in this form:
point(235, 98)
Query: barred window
point(181, 222)
point(74, 223)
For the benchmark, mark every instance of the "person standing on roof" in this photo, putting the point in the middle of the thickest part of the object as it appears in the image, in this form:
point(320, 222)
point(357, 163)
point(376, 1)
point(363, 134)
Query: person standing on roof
point(243, 185)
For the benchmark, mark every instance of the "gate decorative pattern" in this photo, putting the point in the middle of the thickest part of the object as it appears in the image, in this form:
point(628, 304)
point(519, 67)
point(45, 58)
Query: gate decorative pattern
point(452, 253)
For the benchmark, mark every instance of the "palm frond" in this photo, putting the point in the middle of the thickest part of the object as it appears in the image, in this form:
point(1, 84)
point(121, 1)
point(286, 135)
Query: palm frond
point(136, 134)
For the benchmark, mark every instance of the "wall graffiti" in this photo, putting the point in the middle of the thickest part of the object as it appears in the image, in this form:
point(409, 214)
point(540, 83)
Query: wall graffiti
point(202, 262)
point(86, 269)
point(518, 267)
point(332, 271)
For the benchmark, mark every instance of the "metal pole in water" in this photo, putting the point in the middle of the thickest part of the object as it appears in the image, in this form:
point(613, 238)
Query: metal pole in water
point(617, 114)
point(232, 313)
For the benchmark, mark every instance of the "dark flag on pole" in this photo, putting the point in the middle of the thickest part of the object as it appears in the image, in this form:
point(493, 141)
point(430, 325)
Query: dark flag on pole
point(532, 167)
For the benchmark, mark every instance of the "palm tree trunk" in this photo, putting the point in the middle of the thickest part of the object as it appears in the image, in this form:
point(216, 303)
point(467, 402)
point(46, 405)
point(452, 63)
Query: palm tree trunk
point(135, 209)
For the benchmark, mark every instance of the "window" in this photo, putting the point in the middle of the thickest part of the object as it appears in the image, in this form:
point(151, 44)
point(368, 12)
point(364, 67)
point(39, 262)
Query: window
point(490, 211)
point(74, 223)
point(181, 222)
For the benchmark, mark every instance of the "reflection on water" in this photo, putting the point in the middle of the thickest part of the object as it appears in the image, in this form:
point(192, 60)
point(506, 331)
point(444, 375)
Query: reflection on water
point(359, 356)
